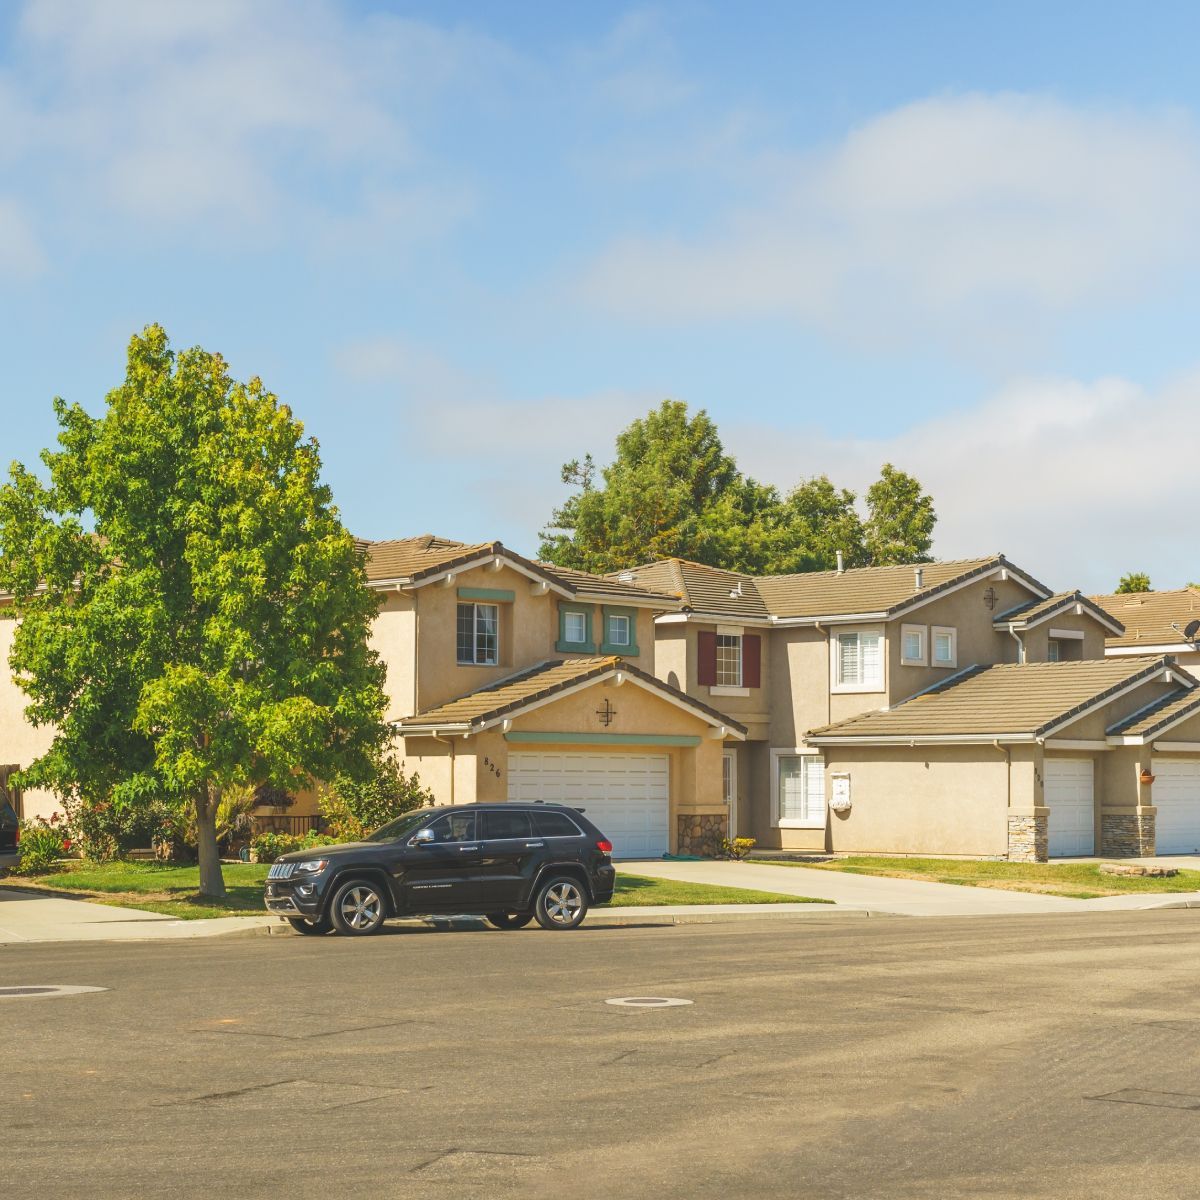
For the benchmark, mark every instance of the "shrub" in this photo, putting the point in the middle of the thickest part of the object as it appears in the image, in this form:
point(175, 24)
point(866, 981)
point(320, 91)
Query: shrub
point(352, 808)
point(267, 847)
point(738, 848)
point(43, 842)
point(103, 830)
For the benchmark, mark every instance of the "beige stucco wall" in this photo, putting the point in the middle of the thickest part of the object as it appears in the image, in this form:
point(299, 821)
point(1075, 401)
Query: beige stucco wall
point(528, 633)
point(929, 800)
point(1037, 639)
point(20, 742)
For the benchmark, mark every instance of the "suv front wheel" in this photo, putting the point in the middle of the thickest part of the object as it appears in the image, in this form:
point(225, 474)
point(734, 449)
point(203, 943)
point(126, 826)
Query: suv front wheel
point(561, 903)
point(358, 908)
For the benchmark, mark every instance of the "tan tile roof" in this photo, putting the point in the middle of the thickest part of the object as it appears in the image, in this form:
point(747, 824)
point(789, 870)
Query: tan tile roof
point(1165, 712)
point(702, 588)
point(416, 558)
point(814, 593)
point(538, 682)
point(1147, 616)
point(1034, 611)
point(1029, 698)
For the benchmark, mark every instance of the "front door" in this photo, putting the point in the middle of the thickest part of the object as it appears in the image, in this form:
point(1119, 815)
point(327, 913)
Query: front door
point(508, 847)
point(443, 875)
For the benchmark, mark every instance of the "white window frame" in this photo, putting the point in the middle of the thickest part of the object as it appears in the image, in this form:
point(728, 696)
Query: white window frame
point(736, 638)
point(921, 659)
point(816, 821)
point(835, 636)
point(475, 661)
point(570, 616)
point(612, 620)
point(952, 633)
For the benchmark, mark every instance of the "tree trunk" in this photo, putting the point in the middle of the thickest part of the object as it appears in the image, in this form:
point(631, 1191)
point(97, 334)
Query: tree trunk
point(212, 882)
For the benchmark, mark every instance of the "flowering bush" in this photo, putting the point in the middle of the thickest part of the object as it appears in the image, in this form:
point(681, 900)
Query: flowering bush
point(43, 842)
point(738, 848)
point(267, 847)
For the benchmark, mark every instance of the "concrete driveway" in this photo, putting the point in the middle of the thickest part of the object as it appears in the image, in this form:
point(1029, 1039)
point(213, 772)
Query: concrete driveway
point(902, 897)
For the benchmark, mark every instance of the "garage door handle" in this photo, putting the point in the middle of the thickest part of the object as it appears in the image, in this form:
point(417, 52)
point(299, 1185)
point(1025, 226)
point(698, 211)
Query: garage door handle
point(534, 845)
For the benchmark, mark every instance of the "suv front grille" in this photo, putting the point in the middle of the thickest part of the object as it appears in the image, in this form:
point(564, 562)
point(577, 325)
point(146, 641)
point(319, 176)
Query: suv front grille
point(281, 870)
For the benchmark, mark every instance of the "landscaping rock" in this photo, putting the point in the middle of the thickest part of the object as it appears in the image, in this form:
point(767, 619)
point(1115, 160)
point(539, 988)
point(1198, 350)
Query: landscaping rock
point(1137, 869)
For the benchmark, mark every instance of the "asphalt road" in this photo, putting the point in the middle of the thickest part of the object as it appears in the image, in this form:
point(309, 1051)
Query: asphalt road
point(989, 1057)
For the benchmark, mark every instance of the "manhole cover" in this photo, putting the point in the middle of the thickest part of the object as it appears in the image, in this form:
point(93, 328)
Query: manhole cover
point(647, 1002)
point(20, 993)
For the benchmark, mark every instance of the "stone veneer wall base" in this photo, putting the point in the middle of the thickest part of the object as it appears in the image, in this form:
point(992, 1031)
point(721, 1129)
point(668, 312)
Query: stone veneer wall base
point(1028, 838)
point(702, 834)
point(1127, 835)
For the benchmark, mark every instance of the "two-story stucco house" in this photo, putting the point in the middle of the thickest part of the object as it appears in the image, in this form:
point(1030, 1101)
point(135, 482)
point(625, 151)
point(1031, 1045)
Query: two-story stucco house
point(949, 708)
point(511, 679)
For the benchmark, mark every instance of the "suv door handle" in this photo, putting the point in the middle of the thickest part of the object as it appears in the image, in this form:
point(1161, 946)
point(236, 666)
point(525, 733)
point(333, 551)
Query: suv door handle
point(534, 845)
point(465, 849)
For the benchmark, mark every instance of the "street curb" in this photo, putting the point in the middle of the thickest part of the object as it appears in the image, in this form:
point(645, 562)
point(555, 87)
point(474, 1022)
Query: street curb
point(1169, 905)
point(819, 912)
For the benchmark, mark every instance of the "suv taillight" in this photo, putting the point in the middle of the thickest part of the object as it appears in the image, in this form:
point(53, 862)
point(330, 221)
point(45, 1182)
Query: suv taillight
point(604, 846)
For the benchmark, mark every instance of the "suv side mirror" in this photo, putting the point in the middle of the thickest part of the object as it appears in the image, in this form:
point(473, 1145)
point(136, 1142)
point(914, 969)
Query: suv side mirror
point(423, 837)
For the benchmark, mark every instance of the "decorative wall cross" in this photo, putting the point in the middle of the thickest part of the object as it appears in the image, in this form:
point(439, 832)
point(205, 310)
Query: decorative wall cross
point(607, 713)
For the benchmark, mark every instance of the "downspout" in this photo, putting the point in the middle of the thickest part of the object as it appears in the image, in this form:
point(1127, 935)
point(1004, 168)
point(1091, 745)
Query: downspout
point(437, 737)
point(1007, 752)
point(1020, 644)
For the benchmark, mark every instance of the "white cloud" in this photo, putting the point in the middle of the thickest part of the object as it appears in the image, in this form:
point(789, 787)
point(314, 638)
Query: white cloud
point(1078, 482)
point(224, 117)
point(965, 217)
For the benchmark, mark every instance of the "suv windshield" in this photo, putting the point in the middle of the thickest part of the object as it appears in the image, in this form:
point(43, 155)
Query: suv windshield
point(399, 827)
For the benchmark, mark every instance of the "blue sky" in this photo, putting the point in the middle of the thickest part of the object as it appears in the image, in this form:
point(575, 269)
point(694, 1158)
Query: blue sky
point(468, 242)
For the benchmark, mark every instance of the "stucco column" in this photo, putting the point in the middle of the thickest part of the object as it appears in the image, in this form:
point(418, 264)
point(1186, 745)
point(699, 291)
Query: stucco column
point(1028, 816)
point(1127, 815)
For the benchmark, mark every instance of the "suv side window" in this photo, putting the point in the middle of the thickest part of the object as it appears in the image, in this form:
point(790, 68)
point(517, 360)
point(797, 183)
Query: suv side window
point(454, 827)
point(501, 825)
point(555, 824)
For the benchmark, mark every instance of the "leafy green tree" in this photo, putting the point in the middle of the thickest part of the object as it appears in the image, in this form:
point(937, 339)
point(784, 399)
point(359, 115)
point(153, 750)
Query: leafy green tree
point(1134, 581)
point(819, 521)
point(900, 519)
point(671, 491)
point(210, 630)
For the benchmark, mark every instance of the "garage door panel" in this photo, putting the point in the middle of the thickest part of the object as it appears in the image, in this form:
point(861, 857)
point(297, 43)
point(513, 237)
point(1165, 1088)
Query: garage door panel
point(625, 795)
point(1177, 799)
point(1070, 797)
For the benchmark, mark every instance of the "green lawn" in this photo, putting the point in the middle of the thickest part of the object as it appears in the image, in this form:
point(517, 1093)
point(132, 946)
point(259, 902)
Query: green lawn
point(638, 889)
point(1076, 881)
point(167, 889)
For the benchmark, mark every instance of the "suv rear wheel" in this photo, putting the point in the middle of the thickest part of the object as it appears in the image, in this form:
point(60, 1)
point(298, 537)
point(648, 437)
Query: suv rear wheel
point(358, 908)
point(561, 903)
point(509, 920)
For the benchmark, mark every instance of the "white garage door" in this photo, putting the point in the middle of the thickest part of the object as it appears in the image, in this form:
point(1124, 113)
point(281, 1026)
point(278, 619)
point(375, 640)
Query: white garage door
point(1177, 798)
point(626, 796)
point(1072, 808)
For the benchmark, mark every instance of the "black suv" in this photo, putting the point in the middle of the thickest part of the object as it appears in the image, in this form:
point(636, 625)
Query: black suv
point(511, 862)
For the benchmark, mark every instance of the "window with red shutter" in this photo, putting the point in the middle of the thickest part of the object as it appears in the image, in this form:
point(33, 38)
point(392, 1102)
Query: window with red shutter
point(706, 663)
point(751, 660)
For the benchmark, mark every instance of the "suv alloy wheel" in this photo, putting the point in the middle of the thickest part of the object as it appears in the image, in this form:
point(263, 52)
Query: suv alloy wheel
point(561, 904)
point(358, 908)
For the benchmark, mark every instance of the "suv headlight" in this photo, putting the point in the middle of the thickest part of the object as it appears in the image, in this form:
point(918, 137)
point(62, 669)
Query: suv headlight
point(313, 865)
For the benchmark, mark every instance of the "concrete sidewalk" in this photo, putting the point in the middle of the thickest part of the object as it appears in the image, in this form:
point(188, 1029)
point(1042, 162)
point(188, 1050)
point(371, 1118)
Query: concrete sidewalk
point(31, 917)
point(898, 897)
